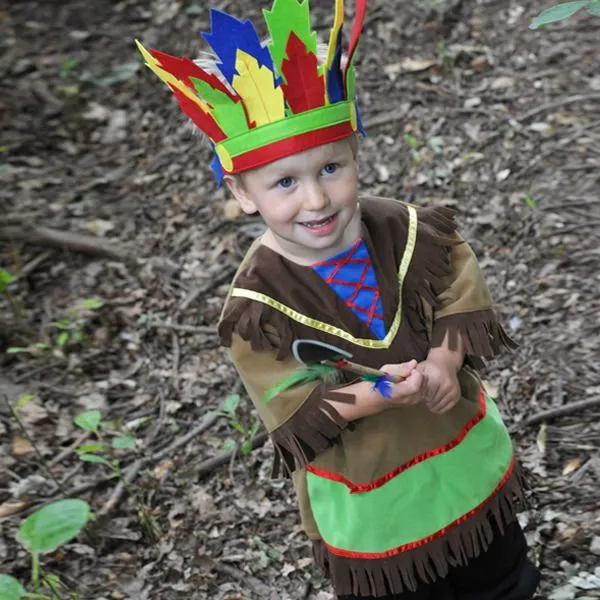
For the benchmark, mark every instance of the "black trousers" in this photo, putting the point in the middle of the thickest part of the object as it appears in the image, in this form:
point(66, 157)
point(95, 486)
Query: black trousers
point(501, 573)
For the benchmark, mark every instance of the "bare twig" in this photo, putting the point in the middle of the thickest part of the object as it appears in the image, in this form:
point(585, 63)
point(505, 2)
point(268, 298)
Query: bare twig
point(42, 460)
point(175, 366)
point(215, 281)
point(208, 466)
point(556, 104)
point(260, 589)
point(387, 117)
point(65, 240)
point(208, 329)
point(33, 264)
point(129, 475)
point(67, 451)
point(561, 411)
point(205, 424)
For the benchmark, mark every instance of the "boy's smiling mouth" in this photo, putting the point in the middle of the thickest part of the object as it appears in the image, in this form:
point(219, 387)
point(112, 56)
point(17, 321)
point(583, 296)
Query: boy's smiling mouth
point(317, 223)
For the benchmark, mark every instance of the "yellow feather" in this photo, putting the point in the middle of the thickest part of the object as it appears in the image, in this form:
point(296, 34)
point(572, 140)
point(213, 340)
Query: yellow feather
point(168, 78)
point(263, 101)
point(337, 25)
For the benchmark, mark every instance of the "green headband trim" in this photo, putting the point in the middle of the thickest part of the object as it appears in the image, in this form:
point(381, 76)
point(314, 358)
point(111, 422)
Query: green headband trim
point(318, 118)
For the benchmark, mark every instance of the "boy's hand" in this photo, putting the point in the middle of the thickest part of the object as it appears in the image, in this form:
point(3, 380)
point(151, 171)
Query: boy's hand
point(441, 389)
point(407, 392)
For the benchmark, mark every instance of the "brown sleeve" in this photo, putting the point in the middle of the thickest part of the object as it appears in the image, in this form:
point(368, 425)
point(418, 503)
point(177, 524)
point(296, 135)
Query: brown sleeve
point(464, 308)
point(300, 421)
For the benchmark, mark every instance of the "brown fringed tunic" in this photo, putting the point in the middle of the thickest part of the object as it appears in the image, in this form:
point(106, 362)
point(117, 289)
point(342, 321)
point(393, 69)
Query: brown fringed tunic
point(400, 496)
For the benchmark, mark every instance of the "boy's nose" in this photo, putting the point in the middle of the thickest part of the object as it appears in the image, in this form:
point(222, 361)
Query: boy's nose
point(315, 198)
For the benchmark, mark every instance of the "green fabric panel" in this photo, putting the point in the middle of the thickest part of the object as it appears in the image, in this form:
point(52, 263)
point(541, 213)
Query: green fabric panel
point(421, 500)
point(311, 120)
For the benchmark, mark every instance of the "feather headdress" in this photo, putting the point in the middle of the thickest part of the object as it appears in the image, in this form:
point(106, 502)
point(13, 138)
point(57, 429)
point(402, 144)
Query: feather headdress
point(272, 100)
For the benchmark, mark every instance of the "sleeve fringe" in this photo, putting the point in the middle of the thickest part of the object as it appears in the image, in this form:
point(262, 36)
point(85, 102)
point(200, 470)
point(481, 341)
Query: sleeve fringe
point(482, 335)
point(313, 428)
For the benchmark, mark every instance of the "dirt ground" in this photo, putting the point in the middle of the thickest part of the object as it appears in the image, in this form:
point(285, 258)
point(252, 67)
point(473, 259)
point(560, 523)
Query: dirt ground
point(463, 105)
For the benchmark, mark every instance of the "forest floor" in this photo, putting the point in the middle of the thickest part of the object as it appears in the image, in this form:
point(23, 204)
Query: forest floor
point(464, 107)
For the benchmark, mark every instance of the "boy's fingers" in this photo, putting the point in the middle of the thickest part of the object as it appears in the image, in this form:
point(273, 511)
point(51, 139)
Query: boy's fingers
point(402, 370)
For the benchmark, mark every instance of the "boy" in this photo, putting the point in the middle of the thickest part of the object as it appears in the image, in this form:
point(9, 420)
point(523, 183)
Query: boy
point(407, 492)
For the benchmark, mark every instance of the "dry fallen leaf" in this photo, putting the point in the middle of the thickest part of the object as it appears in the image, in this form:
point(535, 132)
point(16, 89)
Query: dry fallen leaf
point(232, 210)
point(490, 389)
point(162, 469)
point(542, 438)
point(21, 446)
point(572, 465)
point(11, 508)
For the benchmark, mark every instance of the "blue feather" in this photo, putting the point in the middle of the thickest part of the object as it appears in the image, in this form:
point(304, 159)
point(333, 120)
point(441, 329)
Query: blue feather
point(383, 385)
point(359, 122)
point(227, 35)
point(215, 165)
point(335, 78)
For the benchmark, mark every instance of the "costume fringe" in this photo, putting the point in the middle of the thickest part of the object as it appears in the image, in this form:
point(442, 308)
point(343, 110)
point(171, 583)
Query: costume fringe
point(427, 563)
point(313, 428)
point(482, 335)
point(430, 264)
point(431, 258)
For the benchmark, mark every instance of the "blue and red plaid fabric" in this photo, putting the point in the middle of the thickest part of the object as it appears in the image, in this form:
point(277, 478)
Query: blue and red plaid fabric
point(352, 277)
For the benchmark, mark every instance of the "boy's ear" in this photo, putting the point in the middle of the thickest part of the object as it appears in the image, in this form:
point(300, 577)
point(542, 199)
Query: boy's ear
point(236, 187)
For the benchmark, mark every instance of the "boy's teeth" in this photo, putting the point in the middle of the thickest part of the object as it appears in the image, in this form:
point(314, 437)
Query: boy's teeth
point(318, 223)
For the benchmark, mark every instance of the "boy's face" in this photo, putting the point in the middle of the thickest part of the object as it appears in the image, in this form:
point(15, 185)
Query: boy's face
point(307, 200)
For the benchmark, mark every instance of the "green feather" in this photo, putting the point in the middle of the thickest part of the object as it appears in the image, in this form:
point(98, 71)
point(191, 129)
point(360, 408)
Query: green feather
point(230, 115)
point(284, 17)
point(315, 372)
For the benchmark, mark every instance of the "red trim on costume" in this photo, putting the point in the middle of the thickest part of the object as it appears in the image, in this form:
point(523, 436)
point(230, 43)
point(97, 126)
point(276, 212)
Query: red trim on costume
point(430, 538)
point(292, 145)
point(359, 488)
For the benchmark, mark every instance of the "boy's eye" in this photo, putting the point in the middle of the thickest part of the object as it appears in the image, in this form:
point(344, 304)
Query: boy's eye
point(286, 182)
point(330, 168)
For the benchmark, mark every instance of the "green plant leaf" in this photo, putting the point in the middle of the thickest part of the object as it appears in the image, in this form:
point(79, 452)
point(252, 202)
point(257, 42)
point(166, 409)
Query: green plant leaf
point(94, 458)
point(594, 8)
point(238, 426)
point(89, 304)
point(246, 447)
point(231, 403)
point(561, 11)
point(5, 279)
point(254, 429)
point(530, 201)
point(25, 399)
point(52, 582)
point(228, 444)
point(62, 339)
point(89, 420)
point(11, 588)
point(95, 447)
point(53, 525)
point(124, 442)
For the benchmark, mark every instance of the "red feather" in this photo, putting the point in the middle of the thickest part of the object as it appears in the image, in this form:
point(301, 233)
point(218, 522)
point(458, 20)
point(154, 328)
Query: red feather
point(202, 119)
point(357, 26)
point(183, 68)
point(304, 88)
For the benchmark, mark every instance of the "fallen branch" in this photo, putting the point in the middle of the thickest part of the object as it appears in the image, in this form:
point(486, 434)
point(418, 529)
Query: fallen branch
point(64, 240)
point(261, 589)
point(561, 411)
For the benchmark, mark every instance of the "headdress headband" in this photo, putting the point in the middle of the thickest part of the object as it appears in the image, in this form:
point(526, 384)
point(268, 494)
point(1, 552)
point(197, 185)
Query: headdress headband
point(273, 100)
